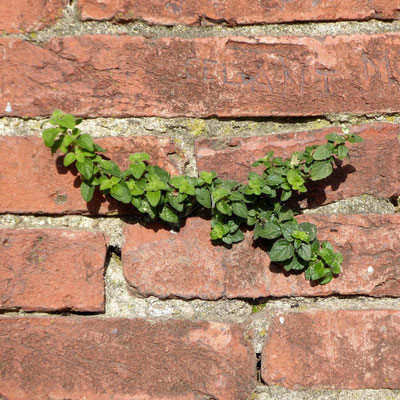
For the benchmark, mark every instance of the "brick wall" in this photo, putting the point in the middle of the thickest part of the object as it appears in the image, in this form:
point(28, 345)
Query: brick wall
point(96, 306)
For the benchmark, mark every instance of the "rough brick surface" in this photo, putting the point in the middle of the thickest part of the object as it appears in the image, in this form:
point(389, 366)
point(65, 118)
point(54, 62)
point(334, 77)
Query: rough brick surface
point(370, 245)
point(29, 15)
point(49, 269)
point(33, 181)
point(187, 265)
point(95, 359)
point(236, 12)
point(370, 169)
point(225, 77)
point(333, 349)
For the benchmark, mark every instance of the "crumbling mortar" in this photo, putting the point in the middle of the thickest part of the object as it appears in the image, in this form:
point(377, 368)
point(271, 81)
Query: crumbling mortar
point(188, 129)
point(264, 392)
point(70, 24)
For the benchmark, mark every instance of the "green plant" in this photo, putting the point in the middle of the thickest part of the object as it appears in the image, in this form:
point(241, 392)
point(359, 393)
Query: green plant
point(260, 203)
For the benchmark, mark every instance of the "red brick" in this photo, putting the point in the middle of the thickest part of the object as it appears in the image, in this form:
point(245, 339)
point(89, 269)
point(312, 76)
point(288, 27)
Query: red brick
point(33, 181)
point(370, 245)
point(371, 169)
point(103, 75)
point(236, 12)
point(100, 359)
point(51, 269)
point(187, 265)
point(29, 15)
point(343, 349)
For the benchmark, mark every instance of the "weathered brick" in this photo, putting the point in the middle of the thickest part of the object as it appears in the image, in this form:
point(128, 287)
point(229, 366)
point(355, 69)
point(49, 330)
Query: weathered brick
point(100, 359)
point(29, 15)
point(237, 12)
point(51, 269)
point(103, 75)
point(370, 245)
point(33, 181)
point(341, 349)
point(187, 265)
point(371, 168)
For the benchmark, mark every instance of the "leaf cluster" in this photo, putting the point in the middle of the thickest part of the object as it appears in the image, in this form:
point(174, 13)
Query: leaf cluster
point(261, 202)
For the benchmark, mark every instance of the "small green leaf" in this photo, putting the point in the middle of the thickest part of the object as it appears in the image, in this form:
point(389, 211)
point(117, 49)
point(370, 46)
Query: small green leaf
point(294, 179)
point(68, 139)
point(67, 121)
point(233, 226)
point(134, 188)
point(288, 228)
point(307, 273)
point(315, 246)
point(237, 236)
point(87, 191)
point(239, 209)
point(219, 194)
point(342, 152)
point(136, 201)
point(270, 230)
point(153, 197)
point(173, 200)
point(182, 197)
point(286, 194)
point(178, 181)
point(145, 207)
point(327, 279)
point(318, 271)
point(208, 177)
point(85, 167)
point(218, 230)
point(109, 167)
point(155, 185)
point(310, 229)
point(167, 214)
point(49, 135)
point(79, 155)
point(203, 196)
point(295, 263)
point(251, 220)
point(304, 251)
point(121, 193)
point(283, 213)
point(281, 250)
point(327, 255)
point(55, 117)
point(303, 236)
point(98, 148)
point(274, 180)
point(160, 172)
point(321, 170)
point(336, 268)
point(86, 142)
point(224, 208)
point(69, 159)
point(135, 157)
point(106, 184)
point(323, 152)
point(334, 137)
point(227, 239)
point(355, 139)
point(236, 196)
point(138, 169)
